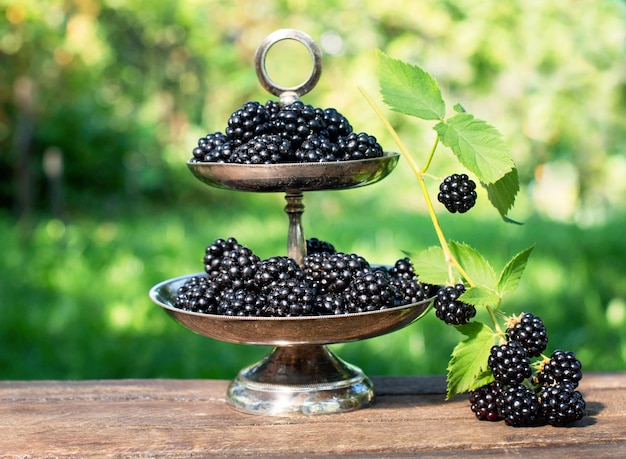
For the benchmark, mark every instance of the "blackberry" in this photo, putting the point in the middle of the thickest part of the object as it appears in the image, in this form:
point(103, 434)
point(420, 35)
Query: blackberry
point(272, 107)
point(519, 406)
point(561, 404)
point(336, 124)
point(214, 147)
point(215, 253)
point(296, 121)
point(509, 363)
point(198, 294)
point(316, 148)
point(408, 290)
point(239, 302)
point(449, 309)
point(403, 268)
point(457, 193)
point(290, 297)
point(275, 269)
point(249, 121)
point(561, 367)
point(483, 402)
point(359, 146)
point(369, 291)
point(332, 273)
point(530, 331)
point(263, 149)
point(330, 303)
point(314, 245)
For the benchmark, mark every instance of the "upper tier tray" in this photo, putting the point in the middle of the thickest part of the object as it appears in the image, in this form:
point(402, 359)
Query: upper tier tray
point(295, 177)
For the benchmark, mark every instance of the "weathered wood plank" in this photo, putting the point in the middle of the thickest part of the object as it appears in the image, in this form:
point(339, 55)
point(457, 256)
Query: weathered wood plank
point(187, 418)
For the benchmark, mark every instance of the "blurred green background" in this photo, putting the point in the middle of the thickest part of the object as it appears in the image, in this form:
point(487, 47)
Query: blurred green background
point(101, 103)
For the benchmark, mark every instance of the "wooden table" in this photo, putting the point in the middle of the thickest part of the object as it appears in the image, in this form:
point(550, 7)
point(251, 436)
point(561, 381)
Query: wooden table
point(190, 418)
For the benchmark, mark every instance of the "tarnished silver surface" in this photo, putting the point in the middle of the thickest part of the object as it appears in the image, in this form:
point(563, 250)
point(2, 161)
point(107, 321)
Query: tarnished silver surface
point(286, 331)
point(288, 94)
point(293, 177)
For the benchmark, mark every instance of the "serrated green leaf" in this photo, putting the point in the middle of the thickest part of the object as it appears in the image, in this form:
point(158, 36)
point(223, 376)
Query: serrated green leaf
point(431, 267)
point(475, 265)
point(502, 192)
point(477, 145)
point(512, 272)
point(480, 296)
point(469, 358)
point(408, 89)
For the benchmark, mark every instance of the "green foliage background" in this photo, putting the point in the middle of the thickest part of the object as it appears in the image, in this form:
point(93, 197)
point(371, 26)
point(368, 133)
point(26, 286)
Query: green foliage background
point(121, 91)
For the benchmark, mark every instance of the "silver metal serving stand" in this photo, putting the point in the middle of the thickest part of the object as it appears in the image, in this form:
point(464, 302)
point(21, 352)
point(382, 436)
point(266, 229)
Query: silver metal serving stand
point(301, 375)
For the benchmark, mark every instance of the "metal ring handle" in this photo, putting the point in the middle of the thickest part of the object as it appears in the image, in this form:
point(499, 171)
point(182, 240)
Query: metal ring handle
point(261, 71)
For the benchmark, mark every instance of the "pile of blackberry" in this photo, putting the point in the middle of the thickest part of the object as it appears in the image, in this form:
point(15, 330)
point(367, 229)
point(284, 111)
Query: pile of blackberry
point(294, 133)
point(239, 283)
point(526, 393)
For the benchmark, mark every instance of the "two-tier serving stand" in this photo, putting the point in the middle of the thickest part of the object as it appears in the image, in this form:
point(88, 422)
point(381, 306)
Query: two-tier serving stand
point(301, 375)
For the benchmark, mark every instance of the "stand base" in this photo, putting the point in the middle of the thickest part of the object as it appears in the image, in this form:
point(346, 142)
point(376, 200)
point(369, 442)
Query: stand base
point(303, 379)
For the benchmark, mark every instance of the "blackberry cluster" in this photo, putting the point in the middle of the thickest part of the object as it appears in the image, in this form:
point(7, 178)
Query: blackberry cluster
point(296, 132)
point(238, 283)
point(448, 307)
point(458, 193)
point(526, 393)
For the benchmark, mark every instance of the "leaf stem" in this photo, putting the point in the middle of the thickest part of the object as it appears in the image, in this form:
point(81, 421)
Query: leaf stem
point(431, 155)
point(419, 174)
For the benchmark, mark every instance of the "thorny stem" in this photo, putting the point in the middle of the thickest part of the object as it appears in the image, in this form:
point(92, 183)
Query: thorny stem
point(419, 174)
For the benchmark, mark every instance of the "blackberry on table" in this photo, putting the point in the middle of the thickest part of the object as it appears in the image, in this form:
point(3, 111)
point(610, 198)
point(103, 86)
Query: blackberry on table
point(332, 273)
point(509, 363)
point(448, 307)
point(483, 402)
point(249, 121)
point(336, 125)
point(296, 121)
point(359, 146)
point(519, 406)
point(315, 245)
point(457, 193)
point(561, 404)
point(561, 367)
point(403, 268)
point(530, 331)
point(239, 302)
point(215, 253)
point(409, 290)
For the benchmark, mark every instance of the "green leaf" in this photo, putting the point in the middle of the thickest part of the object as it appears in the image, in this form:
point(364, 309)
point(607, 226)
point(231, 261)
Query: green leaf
point(474, 264)
point(459, 108)
point(477, 145)
point(512, 272)
point(468, 364)
point(480, 296)
point(408, 89)
point(502, 192)
point(430, 266)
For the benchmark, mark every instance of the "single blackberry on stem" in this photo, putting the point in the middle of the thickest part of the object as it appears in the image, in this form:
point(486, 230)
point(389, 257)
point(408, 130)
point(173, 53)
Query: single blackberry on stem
point(509, 363)
point(315, 245)
point(561, 404)
point(483, 402)
point(359, 146)
point(519, 406)
point(561, 367)
point(263, 149)
point(457, 193)
point(448, 307)
point(530, 331)
point(249, 121)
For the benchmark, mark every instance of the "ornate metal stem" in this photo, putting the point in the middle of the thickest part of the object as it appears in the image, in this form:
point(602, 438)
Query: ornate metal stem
point(296, 243)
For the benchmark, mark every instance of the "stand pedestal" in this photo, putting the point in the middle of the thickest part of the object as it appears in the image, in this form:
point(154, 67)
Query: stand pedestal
point(304, 379)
